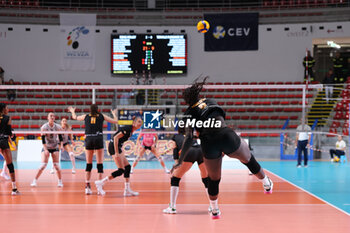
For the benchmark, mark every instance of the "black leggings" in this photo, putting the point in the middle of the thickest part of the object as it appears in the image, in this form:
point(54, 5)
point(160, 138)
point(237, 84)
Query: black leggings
point(336, 152)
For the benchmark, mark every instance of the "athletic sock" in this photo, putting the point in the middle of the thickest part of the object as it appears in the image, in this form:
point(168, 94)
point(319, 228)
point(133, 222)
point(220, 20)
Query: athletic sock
point(127, 186)
point(265, 180)
point(174, 190)
point(87, 184)
point(214, 204)
point(104, 180)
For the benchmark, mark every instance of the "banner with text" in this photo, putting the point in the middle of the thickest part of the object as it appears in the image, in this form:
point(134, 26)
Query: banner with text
point(232, 32)
point(77, 41)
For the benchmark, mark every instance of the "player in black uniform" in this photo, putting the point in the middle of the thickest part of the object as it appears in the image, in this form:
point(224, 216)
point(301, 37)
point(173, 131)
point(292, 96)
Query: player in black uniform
point(115, 150)
point(194, 155)
point(5, 133)
point(216, 140)
point(178, 139)
point(93, 139)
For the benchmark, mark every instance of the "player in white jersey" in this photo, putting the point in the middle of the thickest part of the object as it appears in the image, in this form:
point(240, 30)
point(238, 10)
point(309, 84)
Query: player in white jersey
point(67, 146)
point(51, 144)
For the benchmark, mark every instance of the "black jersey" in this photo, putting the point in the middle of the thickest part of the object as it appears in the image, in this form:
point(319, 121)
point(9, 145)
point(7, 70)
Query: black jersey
point(5, 128)
point(203, 110)
point(127, 131)
point(93, 124)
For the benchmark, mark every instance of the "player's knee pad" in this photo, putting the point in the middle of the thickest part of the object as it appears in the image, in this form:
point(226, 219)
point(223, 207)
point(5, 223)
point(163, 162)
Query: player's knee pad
point(127, 171)
point(213, 187)
point(118, 172)
point(88, 167)
point(100, 167)
point(11, 167)
point(253, 165)
point(42, 166)
point(175, 181)
point(71, 154)
point(57, 166)
point(205, 181)
point(160, 158)
point(137, 158)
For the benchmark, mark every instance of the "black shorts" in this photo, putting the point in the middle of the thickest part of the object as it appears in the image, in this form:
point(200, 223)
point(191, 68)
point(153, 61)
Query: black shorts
point(94, 142)
point(4, 143)
point(147, 147)
point(222, 140)
point(111, 150)
point(194, 154)
point(50, 150)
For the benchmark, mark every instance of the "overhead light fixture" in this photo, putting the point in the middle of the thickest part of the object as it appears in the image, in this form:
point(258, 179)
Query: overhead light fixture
point(333, 44)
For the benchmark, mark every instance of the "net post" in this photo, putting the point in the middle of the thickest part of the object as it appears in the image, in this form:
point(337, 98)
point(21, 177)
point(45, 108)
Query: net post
point(93, 95)
point(303, 107)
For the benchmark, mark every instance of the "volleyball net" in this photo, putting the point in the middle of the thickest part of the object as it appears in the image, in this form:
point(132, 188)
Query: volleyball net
point(261, 111)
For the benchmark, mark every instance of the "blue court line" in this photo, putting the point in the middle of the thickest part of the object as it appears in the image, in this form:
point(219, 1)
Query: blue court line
point(326, 180)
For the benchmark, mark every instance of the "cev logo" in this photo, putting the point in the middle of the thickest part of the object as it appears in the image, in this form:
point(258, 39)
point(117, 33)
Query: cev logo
point(219, 32)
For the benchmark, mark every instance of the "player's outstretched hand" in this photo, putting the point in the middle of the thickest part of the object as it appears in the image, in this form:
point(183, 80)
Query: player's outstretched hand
point(71, 109)
point(114, 112)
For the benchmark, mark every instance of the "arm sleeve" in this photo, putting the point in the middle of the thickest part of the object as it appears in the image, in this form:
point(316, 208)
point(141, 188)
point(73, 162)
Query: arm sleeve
point(43, 139)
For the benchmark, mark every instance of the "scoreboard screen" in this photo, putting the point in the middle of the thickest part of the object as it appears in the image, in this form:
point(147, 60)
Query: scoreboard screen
point(144, 53)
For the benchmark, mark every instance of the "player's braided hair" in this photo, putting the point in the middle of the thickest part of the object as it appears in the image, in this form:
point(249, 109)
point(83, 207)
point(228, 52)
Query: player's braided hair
point(191, 94)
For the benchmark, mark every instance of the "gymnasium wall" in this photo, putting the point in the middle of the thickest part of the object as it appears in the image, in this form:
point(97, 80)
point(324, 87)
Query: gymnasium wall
point(34, 55)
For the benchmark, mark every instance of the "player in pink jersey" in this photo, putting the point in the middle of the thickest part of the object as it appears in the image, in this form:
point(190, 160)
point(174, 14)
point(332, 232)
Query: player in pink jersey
point(149, 142)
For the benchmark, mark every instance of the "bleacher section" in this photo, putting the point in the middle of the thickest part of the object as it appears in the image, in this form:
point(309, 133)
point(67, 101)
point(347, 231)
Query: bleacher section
point(246, 109)
point(31, 107)
point(254, 109)
point(340, 123)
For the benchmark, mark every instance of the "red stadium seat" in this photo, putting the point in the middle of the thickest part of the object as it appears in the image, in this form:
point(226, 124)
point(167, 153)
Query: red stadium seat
point(75, 126)
point(35, 117)
point(24, 126)
point(35, 127)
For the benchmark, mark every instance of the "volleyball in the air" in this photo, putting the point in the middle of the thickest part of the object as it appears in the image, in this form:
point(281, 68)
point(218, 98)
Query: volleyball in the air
point(203, 26)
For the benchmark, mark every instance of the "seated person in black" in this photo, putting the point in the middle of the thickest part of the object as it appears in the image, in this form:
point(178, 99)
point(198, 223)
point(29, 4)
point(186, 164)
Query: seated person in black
point(194, 155)
point(115, 150)
point(207, 117)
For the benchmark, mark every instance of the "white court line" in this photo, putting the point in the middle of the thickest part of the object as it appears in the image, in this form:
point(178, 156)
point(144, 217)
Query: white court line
point(310, 193)
point(142, 205)
point(147, 191)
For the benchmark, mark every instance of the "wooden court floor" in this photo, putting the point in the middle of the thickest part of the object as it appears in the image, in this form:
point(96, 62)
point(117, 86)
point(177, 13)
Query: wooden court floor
point(244, 206)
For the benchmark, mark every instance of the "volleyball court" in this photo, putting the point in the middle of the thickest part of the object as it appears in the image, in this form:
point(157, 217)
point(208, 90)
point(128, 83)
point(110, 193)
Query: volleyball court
point(255, 110)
